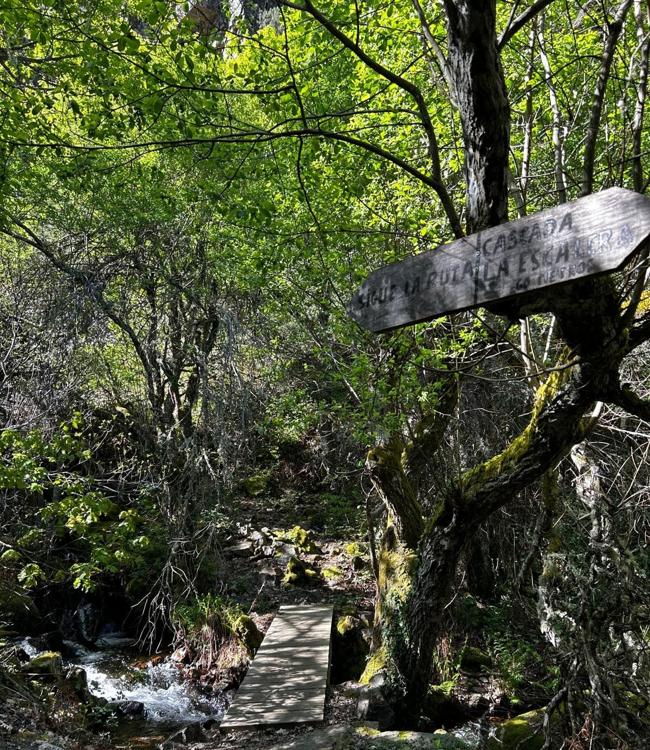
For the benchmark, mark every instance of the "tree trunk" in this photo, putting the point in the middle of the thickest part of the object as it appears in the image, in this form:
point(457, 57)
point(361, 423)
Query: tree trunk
point(480, 93)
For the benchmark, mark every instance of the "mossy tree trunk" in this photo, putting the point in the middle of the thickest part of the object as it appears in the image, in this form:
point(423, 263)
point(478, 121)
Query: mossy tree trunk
point(420, 554)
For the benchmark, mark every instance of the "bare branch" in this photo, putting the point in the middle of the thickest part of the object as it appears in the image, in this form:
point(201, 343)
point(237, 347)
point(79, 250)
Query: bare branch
point(631, 403)
point(521, 20)
point(407, 86)
point(614, 29)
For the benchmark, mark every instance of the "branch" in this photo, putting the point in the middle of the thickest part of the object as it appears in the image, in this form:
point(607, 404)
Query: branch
point(257, 137)
point(613, 32)
point(86, 281)
point(402, 83)
point(433, 44)
point(521, 21)
point(386, 471)
point(631, 403)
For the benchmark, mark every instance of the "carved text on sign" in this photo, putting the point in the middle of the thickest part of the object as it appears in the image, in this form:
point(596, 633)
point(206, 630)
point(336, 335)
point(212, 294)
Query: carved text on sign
point(593, 235)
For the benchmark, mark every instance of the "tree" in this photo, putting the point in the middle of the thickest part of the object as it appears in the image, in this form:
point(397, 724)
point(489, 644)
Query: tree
point(430, 97)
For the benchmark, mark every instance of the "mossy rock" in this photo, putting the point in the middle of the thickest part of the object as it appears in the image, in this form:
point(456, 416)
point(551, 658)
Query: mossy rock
point(354, 549)
point(524, 732)
point(365, 738)
point(298, 573)
point(331, 573)
point(377, 662)
point(256, 484)
point(46, 663)
point(18, 611)
point(248, 633)
point(301, 539)
point(474, 660)
point(441, 706)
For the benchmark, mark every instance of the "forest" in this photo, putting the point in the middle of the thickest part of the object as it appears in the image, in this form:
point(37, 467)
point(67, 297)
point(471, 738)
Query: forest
point(198, 427)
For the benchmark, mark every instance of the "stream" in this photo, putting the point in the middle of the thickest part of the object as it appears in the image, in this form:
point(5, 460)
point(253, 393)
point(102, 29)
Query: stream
point(117, 672)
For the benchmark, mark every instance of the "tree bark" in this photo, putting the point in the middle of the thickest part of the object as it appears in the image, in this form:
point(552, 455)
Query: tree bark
point(480, 92)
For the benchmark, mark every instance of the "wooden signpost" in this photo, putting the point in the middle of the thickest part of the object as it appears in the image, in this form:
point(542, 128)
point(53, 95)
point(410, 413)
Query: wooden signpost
point(592, 235)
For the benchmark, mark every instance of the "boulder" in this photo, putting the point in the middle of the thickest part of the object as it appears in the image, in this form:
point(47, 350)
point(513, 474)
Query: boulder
point(77, 679)
point(248, 633)
point(299, 573)
point(302, 540)
point(524, 732)
point(474, 660)
point(241, 549)
point(442, 708)
point(372, 704)
point(49, 663)
point(190, 733)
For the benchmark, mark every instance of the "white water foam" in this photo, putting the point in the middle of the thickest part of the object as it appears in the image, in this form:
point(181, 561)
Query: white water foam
point(159, 688)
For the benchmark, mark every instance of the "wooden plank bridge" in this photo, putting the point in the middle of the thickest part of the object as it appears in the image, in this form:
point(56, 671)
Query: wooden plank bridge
point(287, 680)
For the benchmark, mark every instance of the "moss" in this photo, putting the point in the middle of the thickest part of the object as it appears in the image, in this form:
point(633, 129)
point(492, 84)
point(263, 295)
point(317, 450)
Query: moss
point(493, 467)
point(46, 663)
point(523, 732)
point(344, 624)
point(354, 549)
point(299, 573)
point(474, 660)
point(367, 731)
point(248, 632)
point(331, 573)
point(301, 539)
point(377, 662)
point(257, 483)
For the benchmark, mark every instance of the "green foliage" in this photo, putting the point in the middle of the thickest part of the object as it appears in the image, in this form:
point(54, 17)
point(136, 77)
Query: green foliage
point(210, 611)
point(111, 539)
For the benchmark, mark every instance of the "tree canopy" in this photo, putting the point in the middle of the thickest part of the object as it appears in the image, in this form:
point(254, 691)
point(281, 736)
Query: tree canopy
point(192, 192)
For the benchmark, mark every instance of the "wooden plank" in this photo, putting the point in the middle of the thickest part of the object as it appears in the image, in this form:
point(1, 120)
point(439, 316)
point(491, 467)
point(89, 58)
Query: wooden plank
point(287, 681)
point(592, 235)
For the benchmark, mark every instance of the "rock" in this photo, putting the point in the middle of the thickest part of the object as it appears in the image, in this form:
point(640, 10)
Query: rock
point(299, 573)
point(524, 732)
point(474, 660)
point(241, 549)
point(247, 631)
point(257, 484)
point(190, 733)
point(77, 679)
point(47, 663)
point(302, 540)
point(283, 548)
point(180, 655)
point(268, 573)
point(359, 563)
point(259, 539)
point(373, 706)
point(268, 550)
point(406, 739)
point(130, 709)
point(318, 739)
point(442, 707)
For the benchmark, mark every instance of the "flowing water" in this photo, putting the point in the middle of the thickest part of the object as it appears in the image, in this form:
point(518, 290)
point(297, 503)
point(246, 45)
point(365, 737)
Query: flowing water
point(116, 673)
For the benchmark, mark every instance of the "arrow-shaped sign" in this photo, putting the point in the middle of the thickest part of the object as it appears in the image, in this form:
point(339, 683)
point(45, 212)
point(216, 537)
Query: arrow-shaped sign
point(592, 235)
